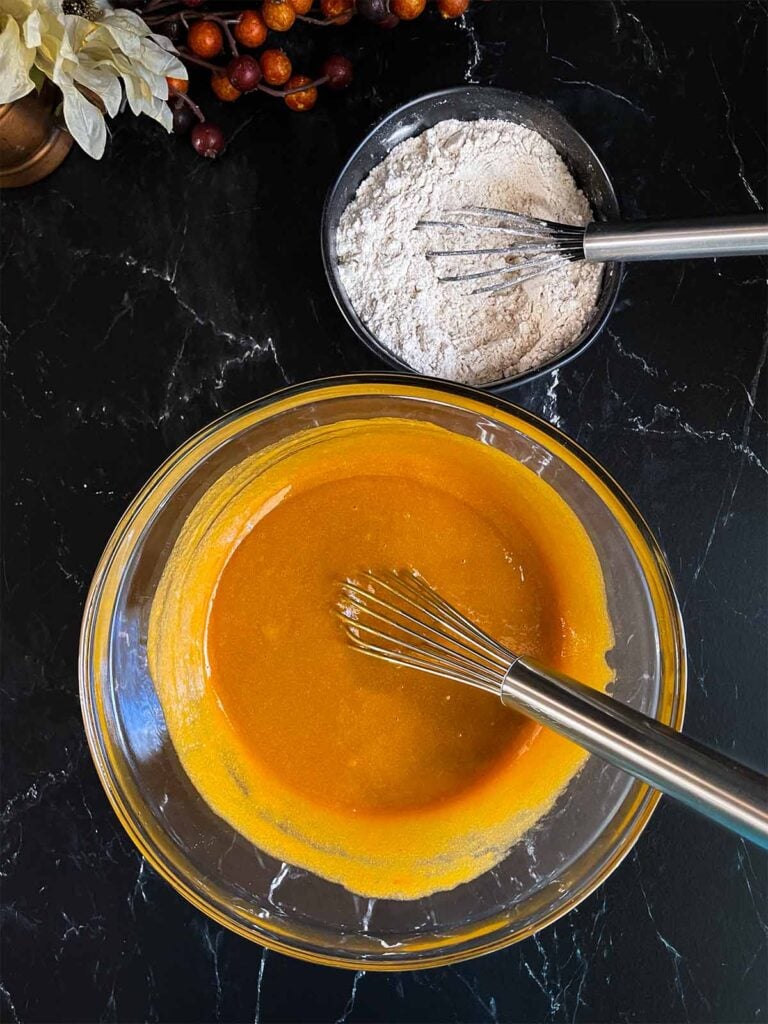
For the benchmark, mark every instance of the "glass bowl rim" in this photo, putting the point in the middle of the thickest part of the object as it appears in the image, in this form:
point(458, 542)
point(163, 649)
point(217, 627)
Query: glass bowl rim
point(610, 288)
point(189, 886)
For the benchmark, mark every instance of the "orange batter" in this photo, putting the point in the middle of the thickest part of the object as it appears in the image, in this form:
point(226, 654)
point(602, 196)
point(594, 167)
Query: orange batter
point(393, 783)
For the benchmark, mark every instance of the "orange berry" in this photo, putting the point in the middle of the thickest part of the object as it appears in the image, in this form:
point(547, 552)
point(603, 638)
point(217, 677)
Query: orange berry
point(205, 39)
point(303, 100)
point(278, 14)
point(223, 88)
point(452, 8)
point(339, 11)
point(250, 29)
point(179, 84)
point(275, 67)
point(301, 6)
point(407, 10)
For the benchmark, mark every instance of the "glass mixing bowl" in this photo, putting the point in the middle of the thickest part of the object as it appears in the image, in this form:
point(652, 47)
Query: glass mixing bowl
point(561, 860)
point(471, 103)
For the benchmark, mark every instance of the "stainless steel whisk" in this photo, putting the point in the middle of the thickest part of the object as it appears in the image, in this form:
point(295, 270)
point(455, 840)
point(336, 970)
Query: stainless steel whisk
point(398, 617)
point(543, 245)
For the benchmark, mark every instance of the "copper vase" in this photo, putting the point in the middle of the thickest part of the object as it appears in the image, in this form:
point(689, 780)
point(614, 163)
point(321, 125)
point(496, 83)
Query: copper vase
point(32, 145)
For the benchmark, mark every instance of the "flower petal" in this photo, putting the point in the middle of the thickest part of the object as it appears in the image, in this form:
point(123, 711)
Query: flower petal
point(163, 41)
point(137, 93)
point(127, 20)
point(84, 121)
point(103, 82)
point(160, 61)
point(33, 29)
point(127, 29)
point(15, 62)
point(165, 117)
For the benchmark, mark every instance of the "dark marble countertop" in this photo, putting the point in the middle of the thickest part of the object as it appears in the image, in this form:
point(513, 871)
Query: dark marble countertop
point(146, 294)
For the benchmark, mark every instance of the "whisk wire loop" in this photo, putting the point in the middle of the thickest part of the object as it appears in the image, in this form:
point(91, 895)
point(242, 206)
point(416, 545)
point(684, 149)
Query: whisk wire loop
point(534, 249)
point(534, 225)
point(425, 633)
point(540, 246)
point(448, 614)
point(481, 681)
point(513, 273)
point(403, 636)
point(398, 617)
point(526, 271)
point(502, 229)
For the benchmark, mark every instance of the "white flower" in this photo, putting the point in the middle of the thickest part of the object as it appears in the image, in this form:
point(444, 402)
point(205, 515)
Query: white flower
point(109, 52)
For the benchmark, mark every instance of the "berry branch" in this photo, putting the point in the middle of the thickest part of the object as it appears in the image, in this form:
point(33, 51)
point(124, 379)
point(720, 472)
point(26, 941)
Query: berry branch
point(202, 33)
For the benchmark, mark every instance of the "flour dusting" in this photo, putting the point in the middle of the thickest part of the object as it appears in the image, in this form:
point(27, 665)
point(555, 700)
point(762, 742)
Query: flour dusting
point(442, 329)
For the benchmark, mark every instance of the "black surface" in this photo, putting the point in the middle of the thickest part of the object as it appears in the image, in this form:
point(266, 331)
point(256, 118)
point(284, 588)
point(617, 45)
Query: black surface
point(146, 294)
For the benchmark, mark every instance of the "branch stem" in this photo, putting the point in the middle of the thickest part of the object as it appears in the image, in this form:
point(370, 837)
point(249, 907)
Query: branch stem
point(190, 102)
point(185, 55)
point(282, 93)
point(227, 32)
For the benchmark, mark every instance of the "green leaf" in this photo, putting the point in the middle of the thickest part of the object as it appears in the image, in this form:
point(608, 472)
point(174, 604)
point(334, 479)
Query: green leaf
point(37, 77)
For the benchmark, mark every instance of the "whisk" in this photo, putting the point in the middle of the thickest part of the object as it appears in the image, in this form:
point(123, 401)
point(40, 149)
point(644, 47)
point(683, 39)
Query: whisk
point(542, 246)
point(398, 617)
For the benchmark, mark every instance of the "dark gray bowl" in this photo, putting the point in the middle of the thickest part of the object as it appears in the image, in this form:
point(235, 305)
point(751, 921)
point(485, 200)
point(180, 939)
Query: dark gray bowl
point(472, 103)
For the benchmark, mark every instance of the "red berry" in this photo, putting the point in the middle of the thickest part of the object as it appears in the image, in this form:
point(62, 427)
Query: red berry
point(183, 116)
point(338, 71)
point(208, 139)
point(250, 29)
point(373, 10)
point(301, 6)
point(244, 72)
point(205, 39)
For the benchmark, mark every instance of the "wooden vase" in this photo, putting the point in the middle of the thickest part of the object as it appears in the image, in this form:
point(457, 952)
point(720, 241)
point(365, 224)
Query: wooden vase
point(32, 145)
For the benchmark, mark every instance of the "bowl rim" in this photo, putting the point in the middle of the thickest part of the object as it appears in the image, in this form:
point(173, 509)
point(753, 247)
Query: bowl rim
point(189, 887)
point(359, 328)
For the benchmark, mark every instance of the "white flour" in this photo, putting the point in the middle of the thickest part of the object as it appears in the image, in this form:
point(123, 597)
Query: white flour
point(441, 329)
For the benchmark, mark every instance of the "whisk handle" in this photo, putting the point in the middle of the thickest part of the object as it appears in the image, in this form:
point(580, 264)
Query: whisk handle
point(676, 240)
point(728, 792)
